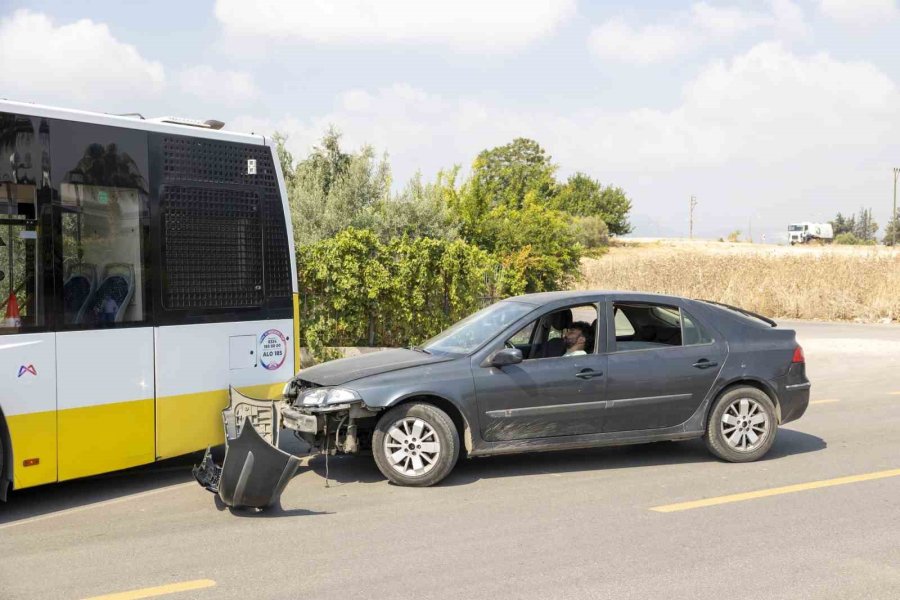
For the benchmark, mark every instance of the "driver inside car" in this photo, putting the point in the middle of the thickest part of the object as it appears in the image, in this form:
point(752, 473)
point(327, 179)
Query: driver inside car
point(576, 338)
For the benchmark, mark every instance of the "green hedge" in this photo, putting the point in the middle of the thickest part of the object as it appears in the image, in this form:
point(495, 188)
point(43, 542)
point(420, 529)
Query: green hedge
point(358, 291)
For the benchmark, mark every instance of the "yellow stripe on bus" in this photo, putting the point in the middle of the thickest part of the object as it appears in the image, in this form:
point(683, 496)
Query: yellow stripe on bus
point(105, 437)
point(190, 422)
point(33, 436)
point(109, 437)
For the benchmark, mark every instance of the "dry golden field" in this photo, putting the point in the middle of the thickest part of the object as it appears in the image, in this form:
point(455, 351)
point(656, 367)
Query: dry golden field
point(833, 283)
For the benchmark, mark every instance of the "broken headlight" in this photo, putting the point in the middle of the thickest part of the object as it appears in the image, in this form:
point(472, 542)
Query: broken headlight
point(326, 395)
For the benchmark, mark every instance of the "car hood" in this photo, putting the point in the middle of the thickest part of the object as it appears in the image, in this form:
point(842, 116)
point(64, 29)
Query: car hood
point(342, 370)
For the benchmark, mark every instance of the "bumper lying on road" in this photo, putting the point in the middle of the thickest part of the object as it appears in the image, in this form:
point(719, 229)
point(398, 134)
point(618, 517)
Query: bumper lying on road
point(254, 471)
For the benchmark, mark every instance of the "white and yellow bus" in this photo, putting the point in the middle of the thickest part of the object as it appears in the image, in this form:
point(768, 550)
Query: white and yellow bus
point(145, 267)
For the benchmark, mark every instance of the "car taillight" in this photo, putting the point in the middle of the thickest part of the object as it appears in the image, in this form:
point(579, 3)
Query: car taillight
point(798, 355)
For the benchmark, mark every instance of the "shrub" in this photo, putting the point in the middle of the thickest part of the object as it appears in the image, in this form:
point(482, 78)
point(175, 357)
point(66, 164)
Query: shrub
point(847, 239)
point(590, 232)
point(583, 196)
point(359, 291)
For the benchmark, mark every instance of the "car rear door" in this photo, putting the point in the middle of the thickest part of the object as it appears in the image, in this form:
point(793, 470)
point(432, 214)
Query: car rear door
point(542, 397)
point(653, 385)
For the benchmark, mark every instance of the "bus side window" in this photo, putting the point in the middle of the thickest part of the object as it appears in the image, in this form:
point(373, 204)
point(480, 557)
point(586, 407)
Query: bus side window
point(23, 179)
point(101, 174)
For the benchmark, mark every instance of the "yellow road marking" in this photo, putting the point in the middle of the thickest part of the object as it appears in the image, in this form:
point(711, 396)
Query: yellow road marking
point(824, 401)
point(788, 489)
point(161, 590)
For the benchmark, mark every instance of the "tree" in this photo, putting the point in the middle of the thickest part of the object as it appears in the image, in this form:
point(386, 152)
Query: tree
point(503, 176)
point(331, 189)
point(535, 246)
point(419, 210)
point(583, 196)
point(841, 224)
point(892, 226)
point(865, 226)
point(285, 158)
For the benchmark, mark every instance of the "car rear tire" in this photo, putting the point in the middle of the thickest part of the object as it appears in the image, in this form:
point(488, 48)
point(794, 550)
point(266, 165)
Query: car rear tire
point(415, 445)
point(742, 425)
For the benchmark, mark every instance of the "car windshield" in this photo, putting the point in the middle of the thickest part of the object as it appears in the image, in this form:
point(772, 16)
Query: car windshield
point(795, 228)
point(476, 329)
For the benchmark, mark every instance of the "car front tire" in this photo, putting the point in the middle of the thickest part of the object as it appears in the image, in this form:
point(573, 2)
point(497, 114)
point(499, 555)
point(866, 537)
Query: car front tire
point(415, 445)
point(742, 425)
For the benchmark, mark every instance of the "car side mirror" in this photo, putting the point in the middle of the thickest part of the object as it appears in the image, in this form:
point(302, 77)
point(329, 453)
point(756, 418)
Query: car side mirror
point(506, 356)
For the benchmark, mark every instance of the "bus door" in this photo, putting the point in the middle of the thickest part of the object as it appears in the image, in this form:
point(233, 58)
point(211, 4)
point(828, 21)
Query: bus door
point(104, 342)
point(27, 344)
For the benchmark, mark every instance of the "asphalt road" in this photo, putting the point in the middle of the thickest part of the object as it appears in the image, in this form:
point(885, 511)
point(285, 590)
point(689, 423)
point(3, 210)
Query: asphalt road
point(581, 524)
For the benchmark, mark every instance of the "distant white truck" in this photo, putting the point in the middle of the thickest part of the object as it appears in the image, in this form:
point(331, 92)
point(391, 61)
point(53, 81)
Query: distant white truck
point(804, 233)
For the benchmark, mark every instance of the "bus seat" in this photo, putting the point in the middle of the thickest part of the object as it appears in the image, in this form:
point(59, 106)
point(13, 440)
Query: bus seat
point(110, 300)
point(80, 283)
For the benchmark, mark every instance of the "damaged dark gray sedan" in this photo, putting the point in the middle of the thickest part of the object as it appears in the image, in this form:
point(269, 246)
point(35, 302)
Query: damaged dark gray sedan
point(545, 371)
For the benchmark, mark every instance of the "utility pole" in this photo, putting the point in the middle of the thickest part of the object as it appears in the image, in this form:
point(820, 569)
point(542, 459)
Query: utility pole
point(894, 220)
point(694, 203)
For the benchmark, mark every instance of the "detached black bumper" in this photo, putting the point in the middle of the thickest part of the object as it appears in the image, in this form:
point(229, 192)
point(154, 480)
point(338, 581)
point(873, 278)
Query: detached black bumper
point(254, 471)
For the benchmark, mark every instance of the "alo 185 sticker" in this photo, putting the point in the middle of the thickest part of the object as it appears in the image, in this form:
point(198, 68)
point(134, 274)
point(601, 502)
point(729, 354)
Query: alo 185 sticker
point(272, 349)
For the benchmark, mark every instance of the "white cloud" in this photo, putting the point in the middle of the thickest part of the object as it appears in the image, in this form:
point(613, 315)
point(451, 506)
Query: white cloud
point(788, 135)
point(725, 20)
point(81, 62)
point(616, 40)
point(470, 25)
point(690, 30)
point(218, 86)
point(860, 13)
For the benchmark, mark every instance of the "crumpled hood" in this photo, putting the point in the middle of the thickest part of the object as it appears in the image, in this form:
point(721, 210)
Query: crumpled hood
point(339, 372)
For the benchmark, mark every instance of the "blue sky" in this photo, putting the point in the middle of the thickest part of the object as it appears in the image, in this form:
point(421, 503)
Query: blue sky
point(769, 112)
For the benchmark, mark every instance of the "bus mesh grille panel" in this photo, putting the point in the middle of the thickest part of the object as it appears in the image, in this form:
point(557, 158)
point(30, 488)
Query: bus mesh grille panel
point(213, 248)
point(212, 162)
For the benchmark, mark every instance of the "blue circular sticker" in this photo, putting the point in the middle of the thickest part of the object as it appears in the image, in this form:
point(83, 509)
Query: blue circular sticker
point(272, 349)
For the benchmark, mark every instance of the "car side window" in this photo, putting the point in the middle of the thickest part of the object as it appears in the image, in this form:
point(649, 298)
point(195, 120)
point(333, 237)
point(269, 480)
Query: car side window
point(569, 331)
point(693, 331)
point(523, 336)
point(624, 328)
point(645, 326)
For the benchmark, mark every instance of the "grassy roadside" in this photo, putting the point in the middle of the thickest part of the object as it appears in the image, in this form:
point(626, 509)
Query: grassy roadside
point(826, 283)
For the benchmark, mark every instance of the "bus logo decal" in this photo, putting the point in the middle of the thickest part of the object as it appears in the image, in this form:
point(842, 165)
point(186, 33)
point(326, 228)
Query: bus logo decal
point(272, 349)
point(27, 369)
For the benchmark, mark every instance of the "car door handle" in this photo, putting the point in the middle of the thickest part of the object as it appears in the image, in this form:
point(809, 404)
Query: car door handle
point(705, 364)
point(588, 374)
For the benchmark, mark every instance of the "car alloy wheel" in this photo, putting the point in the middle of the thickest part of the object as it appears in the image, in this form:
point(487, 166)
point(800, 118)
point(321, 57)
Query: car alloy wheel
point(412, 447)
point(745, 425)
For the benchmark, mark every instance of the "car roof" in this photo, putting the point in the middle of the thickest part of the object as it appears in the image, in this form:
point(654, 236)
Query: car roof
point(542, 298)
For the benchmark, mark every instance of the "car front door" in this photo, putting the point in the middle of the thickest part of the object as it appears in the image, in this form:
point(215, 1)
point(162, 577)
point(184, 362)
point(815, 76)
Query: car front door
point(657, 378)
point(544, 396)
